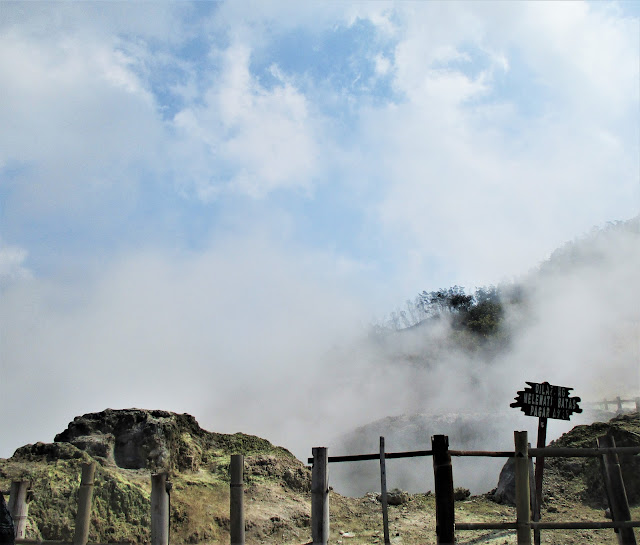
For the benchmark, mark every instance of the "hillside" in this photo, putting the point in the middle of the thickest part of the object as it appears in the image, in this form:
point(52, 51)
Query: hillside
point(127, 445)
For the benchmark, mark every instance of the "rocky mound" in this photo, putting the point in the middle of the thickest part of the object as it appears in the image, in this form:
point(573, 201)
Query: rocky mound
point(130, 444)
point(625, 430)
point(155, 440)
point(581, 478)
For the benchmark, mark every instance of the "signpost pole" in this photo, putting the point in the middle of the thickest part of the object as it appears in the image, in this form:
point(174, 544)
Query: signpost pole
point(544, 400)
point(383, 493)
point(542, 440)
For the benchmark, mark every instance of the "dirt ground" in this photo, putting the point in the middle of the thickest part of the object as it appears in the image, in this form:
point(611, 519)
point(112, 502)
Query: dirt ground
point(359, 521)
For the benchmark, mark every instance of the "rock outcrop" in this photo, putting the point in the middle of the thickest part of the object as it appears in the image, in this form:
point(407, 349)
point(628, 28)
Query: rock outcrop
point(624, 428)
point(129, 444)
point(505, 492)
point(137, 439)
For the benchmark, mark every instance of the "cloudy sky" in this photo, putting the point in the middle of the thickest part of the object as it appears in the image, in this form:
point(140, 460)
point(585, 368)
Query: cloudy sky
point(200, 201)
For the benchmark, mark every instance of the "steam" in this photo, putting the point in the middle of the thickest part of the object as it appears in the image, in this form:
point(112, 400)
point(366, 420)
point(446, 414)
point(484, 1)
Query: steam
point(247, 337)
point(578, 328)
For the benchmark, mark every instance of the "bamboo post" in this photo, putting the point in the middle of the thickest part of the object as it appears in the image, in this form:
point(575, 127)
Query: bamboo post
point(85, 495)
point(18, 507)
point(616, 491)
point(159, 509)
point(383, 493)
point(443, 476)
point(236, 502)
point(320, 496)
point(532, 481)
point(523, 494)
point(542, 441)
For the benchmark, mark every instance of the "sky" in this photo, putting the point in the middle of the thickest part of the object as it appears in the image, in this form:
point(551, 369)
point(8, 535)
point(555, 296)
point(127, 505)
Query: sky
point(202, 203)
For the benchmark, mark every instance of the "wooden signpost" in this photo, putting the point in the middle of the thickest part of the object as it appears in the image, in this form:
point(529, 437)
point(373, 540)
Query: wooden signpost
point(545, 401)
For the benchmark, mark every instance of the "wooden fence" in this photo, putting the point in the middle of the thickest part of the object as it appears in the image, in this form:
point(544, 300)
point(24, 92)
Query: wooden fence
point(618, 402)
point(446, 526)
point(18, 506)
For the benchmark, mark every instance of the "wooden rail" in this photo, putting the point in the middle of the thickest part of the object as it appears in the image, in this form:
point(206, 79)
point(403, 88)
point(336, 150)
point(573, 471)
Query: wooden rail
point(49, 542)
point(376, 456)
point(445, 517)
point(580, 525)
point(547, 452)
point(618, 401)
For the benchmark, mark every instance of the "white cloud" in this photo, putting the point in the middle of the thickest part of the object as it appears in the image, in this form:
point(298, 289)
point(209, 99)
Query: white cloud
point(180, 331)
point(249, 139)
point(12, 266)
point(513, 127)
point(77, 120)
point(477, 183)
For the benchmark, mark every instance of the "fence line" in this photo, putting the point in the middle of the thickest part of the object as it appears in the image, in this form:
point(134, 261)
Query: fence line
point(20, 494)
point(50, 542)
point(547, 452)
point(617, 401)
point(445, 515)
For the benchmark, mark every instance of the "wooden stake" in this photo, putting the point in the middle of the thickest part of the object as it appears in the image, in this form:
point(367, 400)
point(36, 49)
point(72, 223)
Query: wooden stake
point(320, 496)
point(159, 509)
point(542, 440)
point(85, 495)
point(523, 513)
point(236, 502)
point(18, 507)
point(616, 492)
point(383, 493)
point(443, 476)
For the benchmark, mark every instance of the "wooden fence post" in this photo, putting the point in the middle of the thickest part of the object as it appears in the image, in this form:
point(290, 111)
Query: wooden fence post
point(18, 507)
point(443, 477)
point(523, 494)
point(320, 496)
point(159, 509)
point(236, 501)
point(542, 441)
point(85, 495)
point(616, 491)
point(383, 493)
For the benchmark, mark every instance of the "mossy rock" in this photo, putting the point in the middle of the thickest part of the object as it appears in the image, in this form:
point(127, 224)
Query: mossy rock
point(625, 430)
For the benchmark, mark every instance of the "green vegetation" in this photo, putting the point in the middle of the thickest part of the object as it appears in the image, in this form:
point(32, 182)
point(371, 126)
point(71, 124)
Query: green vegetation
point(475, 319)
point(198, 465)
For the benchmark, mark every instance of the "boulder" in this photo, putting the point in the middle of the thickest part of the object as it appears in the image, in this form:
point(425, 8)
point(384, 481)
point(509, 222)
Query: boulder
point(137, 438)
point(395, 497)
point(460, 493)
point(506, 490)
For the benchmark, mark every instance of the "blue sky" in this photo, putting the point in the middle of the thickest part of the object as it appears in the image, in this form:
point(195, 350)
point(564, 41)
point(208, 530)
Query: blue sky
point(271, 170)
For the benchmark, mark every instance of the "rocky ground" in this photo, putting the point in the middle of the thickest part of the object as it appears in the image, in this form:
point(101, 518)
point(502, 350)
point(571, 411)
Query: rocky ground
point(128, 445)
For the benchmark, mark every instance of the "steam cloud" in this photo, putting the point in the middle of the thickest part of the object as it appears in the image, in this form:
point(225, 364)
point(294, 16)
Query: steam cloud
point(292, 359)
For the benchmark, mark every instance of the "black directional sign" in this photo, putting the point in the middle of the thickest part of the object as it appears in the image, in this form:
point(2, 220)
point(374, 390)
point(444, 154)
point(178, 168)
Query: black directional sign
point(547, 401)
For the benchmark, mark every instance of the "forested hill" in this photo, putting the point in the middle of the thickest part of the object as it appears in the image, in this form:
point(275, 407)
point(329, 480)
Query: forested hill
point(488, 317)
